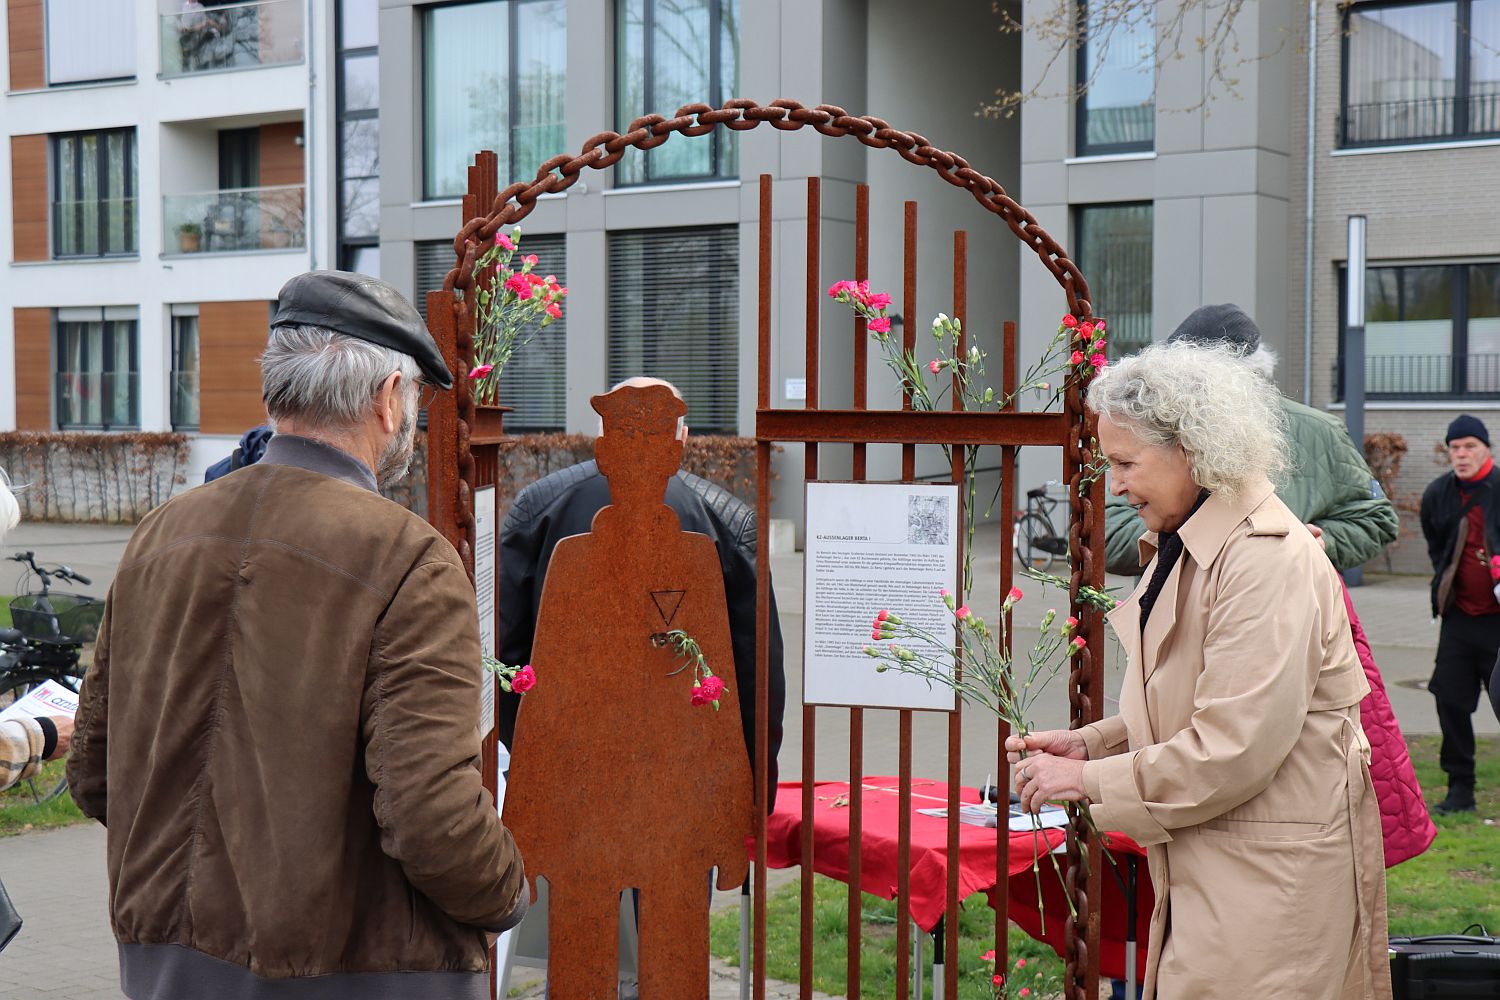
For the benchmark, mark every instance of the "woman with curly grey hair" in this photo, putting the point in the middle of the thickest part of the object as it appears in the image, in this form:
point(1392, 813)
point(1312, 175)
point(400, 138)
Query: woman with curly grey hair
point(1237, 758)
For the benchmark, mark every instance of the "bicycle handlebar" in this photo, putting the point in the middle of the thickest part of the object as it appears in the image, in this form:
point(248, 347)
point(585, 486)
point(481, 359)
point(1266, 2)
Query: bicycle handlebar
point(63, 572)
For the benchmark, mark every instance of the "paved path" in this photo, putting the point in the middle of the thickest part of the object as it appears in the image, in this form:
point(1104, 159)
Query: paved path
point(57, 880)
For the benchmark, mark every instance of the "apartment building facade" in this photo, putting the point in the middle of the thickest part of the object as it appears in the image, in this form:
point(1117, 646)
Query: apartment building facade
point(168, 166)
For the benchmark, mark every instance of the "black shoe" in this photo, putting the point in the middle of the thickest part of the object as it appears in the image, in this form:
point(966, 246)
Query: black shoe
point(1459, 800)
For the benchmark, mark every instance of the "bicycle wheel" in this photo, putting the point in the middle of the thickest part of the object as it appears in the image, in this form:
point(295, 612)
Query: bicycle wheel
point(1032, 531)
point(48, 783)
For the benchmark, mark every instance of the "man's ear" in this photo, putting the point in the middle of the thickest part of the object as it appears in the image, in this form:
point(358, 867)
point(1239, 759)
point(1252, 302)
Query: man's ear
point(682, 433)
point(387, 403)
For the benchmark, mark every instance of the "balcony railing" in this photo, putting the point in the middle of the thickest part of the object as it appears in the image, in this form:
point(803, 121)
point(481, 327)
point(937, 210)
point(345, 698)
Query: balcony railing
point(231, 36)
point(235, 220)
point(1426, 376)
point(1424, 120)
point(185, 401)
point(106, 400)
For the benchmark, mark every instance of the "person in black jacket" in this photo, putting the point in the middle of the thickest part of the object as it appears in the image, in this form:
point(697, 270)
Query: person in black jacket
point(1461, 523)
point(565, 502)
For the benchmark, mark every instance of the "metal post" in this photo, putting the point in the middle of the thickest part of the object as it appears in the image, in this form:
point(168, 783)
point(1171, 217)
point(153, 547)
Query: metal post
point(1131, 864)
point(1354, 351)
point(745, 917)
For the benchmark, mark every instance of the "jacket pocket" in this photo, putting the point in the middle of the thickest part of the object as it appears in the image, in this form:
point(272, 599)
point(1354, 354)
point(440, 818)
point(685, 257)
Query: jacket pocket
point(1267, 831)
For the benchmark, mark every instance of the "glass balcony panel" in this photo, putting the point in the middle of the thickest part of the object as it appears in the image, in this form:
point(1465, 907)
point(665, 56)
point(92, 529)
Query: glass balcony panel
point(235, 221)
point(232, 36)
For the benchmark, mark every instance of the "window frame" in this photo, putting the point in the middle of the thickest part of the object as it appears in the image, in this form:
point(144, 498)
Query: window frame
point(1462, 81)
point(1115, 337)
point(512, 14)
point(1458, 372)
point(175, 346)
point(348, 246)
point(107, 342)
point(128, 192)
point(1081, 146)
point(718, 138)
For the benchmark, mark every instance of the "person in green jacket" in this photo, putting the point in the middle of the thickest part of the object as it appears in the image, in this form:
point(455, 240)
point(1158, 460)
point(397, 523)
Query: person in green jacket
point(1330, 486)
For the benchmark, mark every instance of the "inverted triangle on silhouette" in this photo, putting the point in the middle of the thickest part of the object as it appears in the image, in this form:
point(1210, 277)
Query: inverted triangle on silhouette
point(667, 603)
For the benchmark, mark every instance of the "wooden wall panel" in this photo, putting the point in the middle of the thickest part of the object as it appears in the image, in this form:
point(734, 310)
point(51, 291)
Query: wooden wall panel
point(231, 338)
point(280, 156)
point(33, 369)
point(28, 60)
point(28, 196)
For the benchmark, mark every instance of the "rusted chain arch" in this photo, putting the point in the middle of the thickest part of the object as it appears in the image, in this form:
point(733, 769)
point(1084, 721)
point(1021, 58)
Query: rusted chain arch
point(606, 149)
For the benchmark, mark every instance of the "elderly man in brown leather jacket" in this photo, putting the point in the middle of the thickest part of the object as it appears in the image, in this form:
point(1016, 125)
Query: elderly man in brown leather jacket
point(280, 728)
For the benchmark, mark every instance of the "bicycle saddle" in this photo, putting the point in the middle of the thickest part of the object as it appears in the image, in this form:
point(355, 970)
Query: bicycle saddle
point(1038, 493)
point(12, 636)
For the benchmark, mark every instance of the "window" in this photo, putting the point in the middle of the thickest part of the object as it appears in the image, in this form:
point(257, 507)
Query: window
point(1114, 254)
point(1429, 328)
point(492, 76)
point(686, 330)
point(185, 368)
point(96, 368)
point(534, 381)
point(90, 40)
point(670, 53)
point(1116, 79)
point(1421, 72)
point(359, 137)
point(93, 194)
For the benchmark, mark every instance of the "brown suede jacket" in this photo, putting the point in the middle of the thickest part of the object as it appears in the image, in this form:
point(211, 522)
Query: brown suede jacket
point(280, 731)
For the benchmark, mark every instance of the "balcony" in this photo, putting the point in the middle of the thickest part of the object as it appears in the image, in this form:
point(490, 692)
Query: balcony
point(97, 400)
point(1427, 376)
point(239, 220)
point(231, 36)
point(1431, 119)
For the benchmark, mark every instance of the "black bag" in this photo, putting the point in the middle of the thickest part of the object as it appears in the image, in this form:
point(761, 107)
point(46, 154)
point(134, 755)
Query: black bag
point(10, 920)
point(1446, 966)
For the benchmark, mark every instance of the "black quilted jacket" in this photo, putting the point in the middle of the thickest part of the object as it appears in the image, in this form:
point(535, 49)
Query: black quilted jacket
point(564, 504)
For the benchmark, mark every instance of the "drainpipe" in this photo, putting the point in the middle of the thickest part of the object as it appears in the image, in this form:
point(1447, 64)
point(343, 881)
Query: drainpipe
point(310, 184)
point(1307, 222)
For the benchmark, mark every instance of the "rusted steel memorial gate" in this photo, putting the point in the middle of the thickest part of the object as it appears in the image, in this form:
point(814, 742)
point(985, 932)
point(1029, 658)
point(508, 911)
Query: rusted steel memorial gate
point(463, 450)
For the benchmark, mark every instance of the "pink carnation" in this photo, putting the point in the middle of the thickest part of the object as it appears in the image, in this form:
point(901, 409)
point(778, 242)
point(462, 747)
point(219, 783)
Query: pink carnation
point(1098, 361)
point(1087, 329)
point(1076, 359)
point(481, 371)
point(1099, 325)
point(1015, 594)
point(524, 680)
point(962, 613)
point(1079, 642)
point(935, 366)
point(503, 241)
point(713, 686)
point(554, 310)
point(879, 300)
point(1069, 320)
point(880, 325)
point(839, 287)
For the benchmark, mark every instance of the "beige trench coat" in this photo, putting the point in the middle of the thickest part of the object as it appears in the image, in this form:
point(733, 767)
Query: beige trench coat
point(1238, 760)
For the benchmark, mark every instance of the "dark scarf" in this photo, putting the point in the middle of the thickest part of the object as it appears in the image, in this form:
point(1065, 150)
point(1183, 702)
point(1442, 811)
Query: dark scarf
point(1168, 551)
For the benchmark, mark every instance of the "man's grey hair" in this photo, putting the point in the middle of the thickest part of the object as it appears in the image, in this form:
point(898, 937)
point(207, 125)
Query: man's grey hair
point(1205, 398)
point(1262, 361)
point(327, 378)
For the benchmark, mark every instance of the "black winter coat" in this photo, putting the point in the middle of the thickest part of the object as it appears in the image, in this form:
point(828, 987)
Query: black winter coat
point(1441, 507)
point(564, 504)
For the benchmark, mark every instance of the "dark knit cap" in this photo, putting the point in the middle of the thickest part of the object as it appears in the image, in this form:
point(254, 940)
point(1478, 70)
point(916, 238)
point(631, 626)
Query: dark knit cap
point(1465, 426)
point(1221, 324)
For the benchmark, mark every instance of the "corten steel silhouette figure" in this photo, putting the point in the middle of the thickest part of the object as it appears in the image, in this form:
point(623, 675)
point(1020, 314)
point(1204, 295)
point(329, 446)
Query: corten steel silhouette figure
point(617, 780)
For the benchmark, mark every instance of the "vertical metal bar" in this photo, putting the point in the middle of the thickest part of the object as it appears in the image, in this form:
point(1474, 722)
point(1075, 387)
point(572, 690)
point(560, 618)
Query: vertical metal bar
point(904, 750)
point(1009, 379)
point(857, 715)
point(810, 473)
point(955, 720)
point(762, 593)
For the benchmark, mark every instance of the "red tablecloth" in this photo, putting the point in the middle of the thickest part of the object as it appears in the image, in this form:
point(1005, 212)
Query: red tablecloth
point(929, 860)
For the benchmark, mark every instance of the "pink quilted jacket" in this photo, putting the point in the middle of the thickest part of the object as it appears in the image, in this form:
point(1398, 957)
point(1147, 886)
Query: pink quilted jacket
point(1407, 828)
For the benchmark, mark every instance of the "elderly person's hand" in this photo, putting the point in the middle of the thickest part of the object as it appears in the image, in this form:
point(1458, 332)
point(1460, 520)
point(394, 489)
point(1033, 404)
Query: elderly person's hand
point(64, 726)
point(1317, 533)
point(1045, 778)
point(1057, 742)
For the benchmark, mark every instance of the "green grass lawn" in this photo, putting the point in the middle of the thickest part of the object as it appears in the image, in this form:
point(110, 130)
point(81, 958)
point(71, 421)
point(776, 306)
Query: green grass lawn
point(19, 812)
point(1456, 882)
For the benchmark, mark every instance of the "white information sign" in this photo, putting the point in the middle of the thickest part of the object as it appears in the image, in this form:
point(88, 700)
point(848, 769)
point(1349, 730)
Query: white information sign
point(486, 541)
point(47, 698)
point(873, 547)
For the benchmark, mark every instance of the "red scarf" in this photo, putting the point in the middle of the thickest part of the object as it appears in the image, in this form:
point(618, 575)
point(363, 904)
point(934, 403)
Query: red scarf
point(1484, 470)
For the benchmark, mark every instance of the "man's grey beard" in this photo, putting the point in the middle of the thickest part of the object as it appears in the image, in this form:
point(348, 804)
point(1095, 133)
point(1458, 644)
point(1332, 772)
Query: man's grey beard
point(396, 459)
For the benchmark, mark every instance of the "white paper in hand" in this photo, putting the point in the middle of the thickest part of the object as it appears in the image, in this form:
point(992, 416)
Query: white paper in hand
point(49, 698)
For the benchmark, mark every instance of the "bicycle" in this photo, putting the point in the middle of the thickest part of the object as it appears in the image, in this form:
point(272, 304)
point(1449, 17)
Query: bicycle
point(44, 645)
point(1038, 543)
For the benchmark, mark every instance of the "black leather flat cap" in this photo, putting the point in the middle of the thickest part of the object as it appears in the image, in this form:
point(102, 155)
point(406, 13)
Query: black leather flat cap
point(362, 307)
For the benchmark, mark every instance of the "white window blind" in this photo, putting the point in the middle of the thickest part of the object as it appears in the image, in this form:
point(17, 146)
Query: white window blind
point(674, 314)
point(535, 380)
point(90, 40)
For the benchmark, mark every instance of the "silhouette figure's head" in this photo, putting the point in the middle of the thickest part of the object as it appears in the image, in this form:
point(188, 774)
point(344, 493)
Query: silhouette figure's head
point(640, 446)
